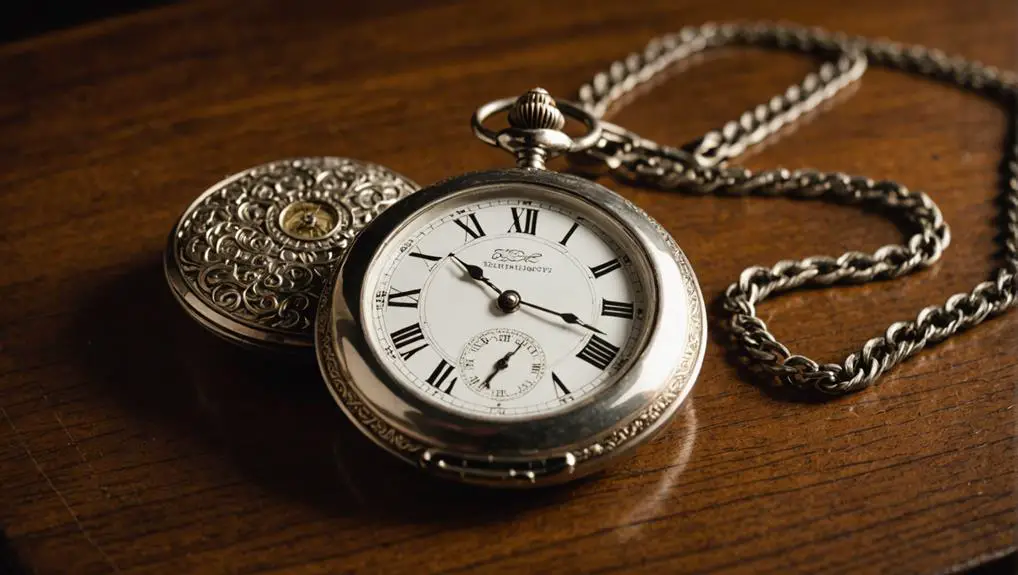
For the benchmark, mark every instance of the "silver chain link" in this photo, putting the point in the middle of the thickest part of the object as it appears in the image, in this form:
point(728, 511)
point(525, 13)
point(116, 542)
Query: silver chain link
point(699, 168)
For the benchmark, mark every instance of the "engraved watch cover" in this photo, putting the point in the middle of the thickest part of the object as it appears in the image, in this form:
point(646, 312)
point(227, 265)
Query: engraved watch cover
point(250, 257)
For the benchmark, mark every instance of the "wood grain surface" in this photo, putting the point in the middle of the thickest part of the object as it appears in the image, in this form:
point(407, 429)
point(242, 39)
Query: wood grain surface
point(133, 441)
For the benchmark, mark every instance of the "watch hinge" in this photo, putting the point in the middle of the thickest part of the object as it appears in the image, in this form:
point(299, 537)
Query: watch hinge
point(491, 468)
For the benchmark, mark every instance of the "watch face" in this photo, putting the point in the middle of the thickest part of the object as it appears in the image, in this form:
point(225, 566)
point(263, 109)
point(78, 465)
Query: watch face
point(508, 301)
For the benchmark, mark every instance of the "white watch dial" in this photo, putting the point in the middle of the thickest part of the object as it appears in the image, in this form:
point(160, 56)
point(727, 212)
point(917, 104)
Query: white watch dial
point(507, 303)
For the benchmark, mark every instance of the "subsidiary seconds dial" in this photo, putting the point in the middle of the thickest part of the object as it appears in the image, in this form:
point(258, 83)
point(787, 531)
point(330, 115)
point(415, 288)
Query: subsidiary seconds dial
point(502, 364)
point(508, 305)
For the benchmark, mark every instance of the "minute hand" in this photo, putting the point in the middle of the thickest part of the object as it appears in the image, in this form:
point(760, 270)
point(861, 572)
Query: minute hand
point(566, 317)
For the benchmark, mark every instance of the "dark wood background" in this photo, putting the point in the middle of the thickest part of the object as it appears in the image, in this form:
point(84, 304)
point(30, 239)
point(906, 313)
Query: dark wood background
point(133, 441)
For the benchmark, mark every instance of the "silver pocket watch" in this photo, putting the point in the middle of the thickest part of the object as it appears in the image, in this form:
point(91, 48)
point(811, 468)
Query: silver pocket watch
point(516, 326)
point(250, 257)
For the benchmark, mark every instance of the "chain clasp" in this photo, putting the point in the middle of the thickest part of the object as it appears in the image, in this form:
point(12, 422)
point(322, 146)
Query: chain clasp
point(626, 154)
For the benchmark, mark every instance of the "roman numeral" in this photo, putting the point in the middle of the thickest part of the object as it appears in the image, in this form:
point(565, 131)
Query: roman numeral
point(560, 388)
point(440, 374)
point(569, 234)
point(405, 338)
point(616, 309)
point(404, 298)
point(471, 226)
point(524, 221)
point(425, 257)
point(605, 268)
point(598, 352)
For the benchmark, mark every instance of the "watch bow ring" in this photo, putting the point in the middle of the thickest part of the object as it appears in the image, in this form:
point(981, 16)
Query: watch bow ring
point(535, 123)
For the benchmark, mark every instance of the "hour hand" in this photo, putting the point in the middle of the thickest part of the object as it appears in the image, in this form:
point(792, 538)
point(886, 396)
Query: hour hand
point(475, 272)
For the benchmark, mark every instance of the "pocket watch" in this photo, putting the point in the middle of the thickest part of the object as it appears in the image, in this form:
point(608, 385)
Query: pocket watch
point(249, 258)
point(516, 326)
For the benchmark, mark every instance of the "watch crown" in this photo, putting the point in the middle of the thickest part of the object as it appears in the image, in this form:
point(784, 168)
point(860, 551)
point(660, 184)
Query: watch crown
point(536, 110)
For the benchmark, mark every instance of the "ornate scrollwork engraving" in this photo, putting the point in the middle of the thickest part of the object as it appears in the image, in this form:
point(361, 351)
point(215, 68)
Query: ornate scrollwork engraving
point(338, 380)
point(258, 246)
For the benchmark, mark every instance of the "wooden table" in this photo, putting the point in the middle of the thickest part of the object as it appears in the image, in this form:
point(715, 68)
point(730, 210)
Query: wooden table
point(134, 441)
